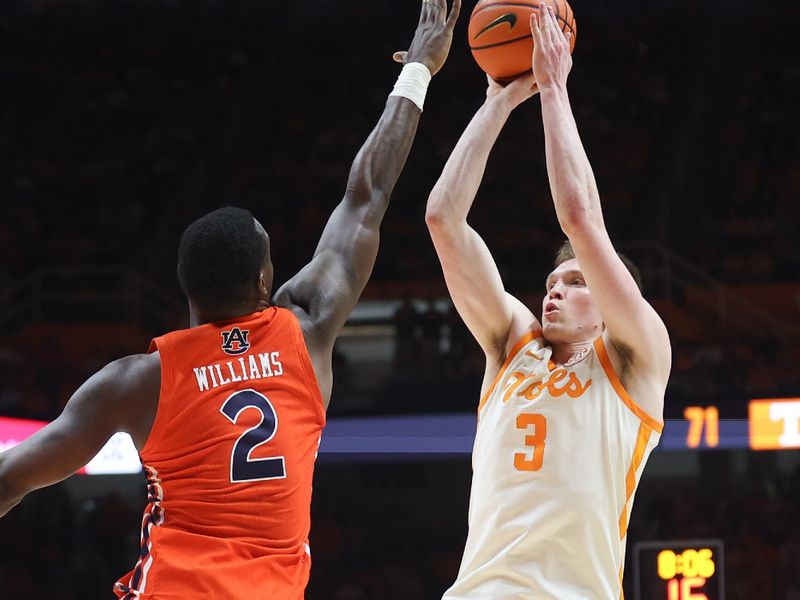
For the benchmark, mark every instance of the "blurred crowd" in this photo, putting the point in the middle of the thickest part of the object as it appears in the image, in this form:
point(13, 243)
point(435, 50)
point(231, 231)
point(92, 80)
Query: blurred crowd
point(121, 121)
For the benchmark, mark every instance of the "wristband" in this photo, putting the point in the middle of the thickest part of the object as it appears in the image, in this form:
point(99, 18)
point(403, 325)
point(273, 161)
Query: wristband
point(413, 83)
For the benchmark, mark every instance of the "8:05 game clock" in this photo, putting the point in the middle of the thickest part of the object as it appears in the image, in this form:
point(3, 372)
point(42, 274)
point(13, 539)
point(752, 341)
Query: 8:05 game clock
point(679, 570)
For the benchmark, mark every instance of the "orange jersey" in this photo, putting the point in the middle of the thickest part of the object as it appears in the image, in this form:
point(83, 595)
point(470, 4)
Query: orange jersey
point(229, 464)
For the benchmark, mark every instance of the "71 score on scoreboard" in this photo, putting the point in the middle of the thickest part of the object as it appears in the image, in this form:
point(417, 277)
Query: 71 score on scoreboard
point(773, 424)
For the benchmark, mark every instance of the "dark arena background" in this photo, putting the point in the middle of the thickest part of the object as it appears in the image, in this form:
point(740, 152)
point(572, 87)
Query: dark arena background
point(123, 120)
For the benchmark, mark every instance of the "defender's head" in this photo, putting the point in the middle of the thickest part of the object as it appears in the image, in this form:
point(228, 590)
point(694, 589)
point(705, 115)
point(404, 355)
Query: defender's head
point(224, 264)
point(569, 313)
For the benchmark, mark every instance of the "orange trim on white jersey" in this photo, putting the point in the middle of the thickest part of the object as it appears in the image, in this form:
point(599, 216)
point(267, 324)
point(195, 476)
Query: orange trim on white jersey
point(642, 438)
point(623, 522)
point(521, 343)
point(602, 354)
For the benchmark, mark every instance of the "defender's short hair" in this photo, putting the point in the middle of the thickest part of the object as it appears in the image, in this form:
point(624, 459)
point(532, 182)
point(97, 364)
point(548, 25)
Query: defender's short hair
point(220, 257)
point(566, 253)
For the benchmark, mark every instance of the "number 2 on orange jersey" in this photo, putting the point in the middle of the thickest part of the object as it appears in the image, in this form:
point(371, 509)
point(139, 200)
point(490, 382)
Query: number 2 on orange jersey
point(535, 441)
point(243, 468)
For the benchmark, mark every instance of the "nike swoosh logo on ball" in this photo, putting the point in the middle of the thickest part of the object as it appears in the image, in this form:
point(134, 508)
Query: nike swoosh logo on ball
point(509, 18)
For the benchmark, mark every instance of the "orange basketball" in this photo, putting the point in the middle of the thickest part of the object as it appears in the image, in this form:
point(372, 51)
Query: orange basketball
point(500, 34)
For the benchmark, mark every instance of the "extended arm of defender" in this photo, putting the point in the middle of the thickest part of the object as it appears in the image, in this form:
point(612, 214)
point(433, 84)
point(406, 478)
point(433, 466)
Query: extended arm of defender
point(630, 321)
point(470, 272)
point(328, 288)
point(109, 401)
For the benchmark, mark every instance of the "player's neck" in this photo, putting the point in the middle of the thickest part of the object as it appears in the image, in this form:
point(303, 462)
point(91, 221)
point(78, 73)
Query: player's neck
point(565, 353)
point(201, 317)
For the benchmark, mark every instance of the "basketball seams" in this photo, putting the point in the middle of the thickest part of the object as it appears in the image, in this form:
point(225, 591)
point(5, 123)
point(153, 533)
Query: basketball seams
point(523, 4)
point(569, 19)
point(565, 19)
point(503, 43)
point(515, 75)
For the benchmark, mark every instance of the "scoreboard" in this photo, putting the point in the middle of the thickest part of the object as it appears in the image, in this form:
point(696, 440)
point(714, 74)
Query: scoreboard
point(772, 424)
point(679, 570)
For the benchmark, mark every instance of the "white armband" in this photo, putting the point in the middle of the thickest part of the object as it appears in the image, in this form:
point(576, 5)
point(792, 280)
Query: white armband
point(413, 83)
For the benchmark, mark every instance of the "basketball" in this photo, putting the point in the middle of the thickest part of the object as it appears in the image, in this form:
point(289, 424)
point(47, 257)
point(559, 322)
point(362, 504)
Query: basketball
point(500, 35)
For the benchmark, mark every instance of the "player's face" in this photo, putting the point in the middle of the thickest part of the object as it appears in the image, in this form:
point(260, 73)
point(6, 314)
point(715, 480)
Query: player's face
point(569, 313)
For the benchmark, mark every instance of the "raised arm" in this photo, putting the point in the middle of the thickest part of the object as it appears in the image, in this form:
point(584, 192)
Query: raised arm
point(639, 339)
point(325, 291)
point(494, 317)
point(120, 397)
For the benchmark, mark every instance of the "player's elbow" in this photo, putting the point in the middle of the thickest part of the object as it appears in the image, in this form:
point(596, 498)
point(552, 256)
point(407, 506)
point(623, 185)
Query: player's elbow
point(439, 217)
point(576, 220)
point(439, 227)
point(434, 217)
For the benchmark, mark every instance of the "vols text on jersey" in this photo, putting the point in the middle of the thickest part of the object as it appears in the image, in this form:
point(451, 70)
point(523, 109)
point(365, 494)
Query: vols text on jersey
point(537, 383)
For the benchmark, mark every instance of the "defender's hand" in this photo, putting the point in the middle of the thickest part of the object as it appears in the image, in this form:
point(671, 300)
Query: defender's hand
point(515, 92)
point(431, 43)
point(551, 58)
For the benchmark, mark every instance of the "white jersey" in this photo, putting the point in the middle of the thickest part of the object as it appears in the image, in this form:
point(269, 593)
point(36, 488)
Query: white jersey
point(557, 457)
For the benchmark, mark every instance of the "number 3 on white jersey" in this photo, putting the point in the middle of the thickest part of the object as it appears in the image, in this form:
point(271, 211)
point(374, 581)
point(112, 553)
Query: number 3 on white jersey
point(526, 421)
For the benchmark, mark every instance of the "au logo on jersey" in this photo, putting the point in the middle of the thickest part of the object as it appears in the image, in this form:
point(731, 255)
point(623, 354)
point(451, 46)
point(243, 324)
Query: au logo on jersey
point(234, 342)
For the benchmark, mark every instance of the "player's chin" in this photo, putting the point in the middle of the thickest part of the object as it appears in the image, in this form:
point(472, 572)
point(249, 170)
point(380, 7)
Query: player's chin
point(550, 330)
point(554, 331)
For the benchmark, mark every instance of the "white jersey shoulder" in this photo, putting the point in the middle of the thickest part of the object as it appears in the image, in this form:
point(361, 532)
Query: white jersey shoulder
point(558, 454)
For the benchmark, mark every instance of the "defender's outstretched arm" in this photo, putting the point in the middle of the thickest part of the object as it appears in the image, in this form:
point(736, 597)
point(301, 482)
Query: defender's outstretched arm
point(326, 290)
